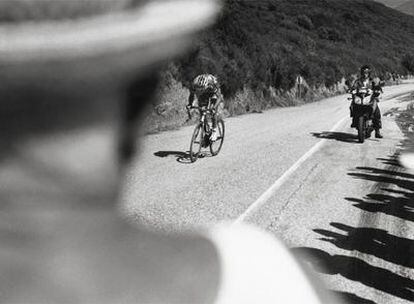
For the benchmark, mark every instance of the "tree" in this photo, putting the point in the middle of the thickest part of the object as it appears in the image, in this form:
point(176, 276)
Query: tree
point(408, 63)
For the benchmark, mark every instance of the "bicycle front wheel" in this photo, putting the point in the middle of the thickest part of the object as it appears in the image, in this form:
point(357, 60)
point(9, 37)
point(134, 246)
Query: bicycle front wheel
point(196, 142)
point(216, 145)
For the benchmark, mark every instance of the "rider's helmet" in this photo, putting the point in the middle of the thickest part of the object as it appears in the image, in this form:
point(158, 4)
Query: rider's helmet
point(201, 81)
point(365, 70)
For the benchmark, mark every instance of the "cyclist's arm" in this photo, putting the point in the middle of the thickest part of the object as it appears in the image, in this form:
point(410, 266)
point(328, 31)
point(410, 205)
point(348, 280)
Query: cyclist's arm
point(220, 99)
point(191, 99)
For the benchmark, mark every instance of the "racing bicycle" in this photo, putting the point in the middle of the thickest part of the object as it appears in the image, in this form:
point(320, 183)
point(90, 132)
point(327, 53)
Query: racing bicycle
point(202, 133)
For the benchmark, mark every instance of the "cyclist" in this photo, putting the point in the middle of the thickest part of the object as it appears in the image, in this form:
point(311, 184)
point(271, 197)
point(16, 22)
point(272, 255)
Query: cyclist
point(206, 89)
point(366, 83)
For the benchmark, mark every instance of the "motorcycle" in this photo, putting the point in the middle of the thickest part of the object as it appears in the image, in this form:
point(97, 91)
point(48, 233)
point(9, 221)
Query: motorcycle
point(362, 111)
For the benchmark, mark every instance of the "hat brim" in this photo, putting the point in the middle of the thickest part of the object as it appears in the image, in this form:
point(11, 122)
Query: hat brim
point(143, 36)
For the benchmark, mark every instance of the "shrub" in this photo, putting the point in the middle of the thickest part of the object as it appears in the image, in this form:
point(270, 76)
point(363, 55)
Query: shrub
point(331, 34)
point(408, 63)
point(305, 22)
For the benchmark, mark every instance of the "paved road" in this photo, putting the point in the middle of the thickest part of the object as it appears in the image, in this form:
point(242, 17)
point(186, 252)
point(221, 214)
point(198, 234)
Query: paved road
point(299, 173)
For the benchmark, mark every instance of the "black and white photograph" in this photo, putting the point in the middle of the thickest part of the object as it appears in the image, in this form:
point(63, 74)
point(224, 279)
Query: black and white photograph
point(207, 151)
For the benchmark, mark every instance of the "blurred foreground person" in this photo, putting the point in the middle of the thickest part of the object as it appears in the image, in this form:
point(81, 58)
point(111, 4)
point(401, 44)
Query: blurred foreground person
point(67, 130)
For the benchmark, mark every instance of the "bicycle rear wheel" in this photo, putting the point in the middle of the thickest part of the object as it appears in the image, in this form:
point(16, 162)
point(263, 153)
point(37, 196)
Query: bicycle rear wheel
point(216, 145)
point(196, 142)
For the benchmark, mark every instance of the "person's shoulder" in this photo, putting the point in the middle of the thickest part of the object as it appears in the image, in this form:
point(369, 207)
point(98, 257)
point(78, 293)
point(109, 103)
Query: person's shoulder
point(254, 266)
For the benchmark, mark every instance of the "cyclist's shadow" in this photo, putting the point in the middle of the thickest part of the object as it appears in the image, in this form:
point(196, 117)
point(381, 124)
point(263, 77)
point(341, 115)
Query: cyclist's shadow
point(182, 157)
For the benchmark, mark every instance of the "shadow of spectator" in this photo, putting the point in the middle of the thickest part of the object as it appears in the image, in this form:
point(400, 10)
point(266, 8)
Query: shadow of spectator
point(402, 207)
point(357, 270)
point(387, 172)
point(392, 161)
point(384, 199)
point(392, 194)
point(376, 242)
point(385, 177)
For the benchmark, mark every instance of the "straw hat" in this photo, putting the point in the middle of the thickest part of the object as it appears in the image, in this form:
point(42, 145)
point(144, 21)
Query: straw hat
point(119, 36)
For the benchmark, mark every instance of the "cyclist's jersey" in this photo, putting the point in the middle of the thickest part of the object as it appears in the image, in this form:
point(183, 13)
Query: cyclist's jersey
point(205, 87)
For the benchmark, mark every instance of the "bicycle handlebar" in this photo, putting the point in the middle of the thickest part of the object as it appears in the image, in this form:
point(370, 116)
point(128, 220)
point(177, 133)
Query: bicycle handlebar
point(204, 109)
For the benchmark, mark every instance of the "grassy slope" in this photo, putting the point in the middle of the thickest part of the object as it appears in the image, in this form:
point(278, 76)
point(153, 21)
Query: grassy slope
point(270, 42)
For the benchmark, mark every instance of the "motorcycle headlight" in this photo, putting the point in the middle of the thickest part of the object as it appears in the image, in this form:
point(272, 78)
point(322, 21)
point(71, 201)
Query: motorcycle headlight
point(358, 101)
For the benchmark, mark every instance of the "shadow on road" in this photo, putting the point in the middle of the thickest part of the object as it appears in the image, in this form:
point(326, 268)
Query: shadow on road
point(399, 206)
point(357, 270)
point(393, 194)
point(339, 136)
point(392, 161)
point(376, 242)
point(181, 157)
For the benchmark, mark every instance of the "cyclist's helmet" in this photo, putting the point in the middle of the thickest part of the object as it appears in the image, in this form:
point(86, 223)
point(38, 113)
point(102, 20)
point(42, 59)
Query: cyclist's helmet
point(201, 81)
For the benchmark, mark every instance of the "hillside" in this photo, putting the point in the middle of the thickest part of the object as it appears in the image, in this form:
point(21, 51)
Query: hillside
point(407, 7)
point(271, 42)
point(258, 48)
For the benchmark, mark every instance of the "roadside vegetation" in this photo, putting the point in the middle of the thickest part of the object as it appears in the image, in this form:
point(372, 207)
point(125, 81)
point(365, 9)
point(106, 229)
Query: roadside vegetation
point(268, 43)
point(259, 48)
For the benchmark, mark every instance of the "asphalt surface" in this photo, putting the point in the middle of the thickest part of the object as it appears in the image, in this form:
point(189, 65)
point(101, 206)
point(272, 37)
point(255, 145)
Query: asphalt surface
point(346, 209)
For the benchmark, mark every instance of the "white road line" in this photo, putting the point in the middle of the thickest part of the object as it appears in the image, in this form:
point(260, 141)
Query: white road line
point(281, 180)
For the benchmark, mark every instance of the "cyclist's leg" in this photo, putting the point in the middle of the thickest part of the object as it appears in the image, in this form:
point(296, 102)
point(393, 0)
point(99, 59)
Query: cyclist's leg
point(214, 118)
point(219, 109)
point(212, 101)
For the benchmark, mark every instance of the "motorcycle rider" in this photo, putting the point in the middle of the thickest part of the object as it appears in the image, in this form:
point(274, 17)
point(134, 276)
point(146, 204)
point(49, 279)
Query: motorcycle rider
point(373, 88)
point(206, 88)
